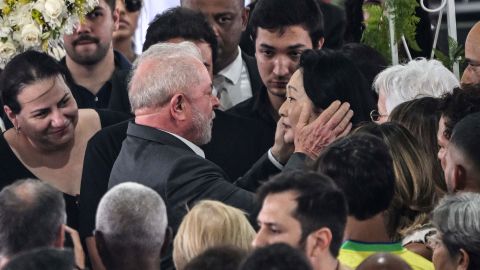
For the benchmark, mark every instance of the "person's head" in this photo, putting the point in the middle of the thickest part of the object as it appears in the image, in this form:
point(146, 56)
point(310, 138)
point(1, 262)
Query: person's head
point(91, 40)
point(453, 107)
point(37, 100)
point(130, 226)
point(209, 224)
point(462, 158)
point(171, 89)
point(471, 75)
point(42, 258)
point(182, 24)
point(324, 76)
point(457, 242)
point(415, 192)
point(278, 256)
point(421, 117)
point(282, 30)
point(218, 258)
point(32, 214)
point(382, 261)
point(418, 78)
point(129, 12)
point(305, 210)
point(228, 19)
point(362, 167)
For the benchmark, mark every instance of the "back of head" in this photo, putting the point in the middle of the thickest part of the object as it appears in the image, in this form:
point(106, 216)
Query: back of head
point(421, 117)
point(362, 167)
point(456, 105)
point(418, 78)
point(24, 69)
point(182, 23)
point(276, 257)
point(414, 187)
point(465, 138)
point(209, 224)
point(32, 214)
point(329, 75)
point(277, 15)
point(161, 71)
point(42, 259)
point(383, 261)
point(320, 203)
point(457, 218)
point(218, 258)
point(132, 219)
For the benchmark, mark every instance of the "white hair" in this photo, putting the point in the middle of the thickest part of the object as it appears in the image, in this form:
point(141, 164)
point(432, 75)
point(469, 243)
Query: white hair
point(132, 216)
point(161, 71)
point(418, 78)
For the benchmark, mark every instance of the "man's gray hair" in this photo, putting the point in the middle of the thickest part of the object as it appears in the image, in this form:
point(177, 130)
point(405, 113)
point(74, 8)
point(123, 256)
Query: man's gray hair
point(132, 216)
point(416, 79)
point(457, 217)
point(170, 70)
point(31, 215)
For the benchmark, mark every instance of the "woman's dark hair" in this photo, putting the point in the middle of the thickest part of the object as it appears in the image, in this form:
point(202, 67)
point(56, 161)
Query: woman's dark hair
point(329, 75)
point(24, 69)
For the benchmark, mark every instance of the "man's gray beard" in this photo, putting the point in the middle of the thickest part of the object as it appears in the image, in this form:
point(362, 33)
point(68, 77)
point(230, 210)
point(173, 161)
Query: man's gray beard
point(202, 127)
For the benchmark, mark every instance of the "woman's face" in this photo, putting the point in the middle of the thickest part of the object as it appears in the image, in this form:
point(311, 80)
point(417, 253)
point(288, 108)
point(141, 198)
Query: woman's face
point(442, 260)
point(128, 22)
point(292, 107)
point(48, 114)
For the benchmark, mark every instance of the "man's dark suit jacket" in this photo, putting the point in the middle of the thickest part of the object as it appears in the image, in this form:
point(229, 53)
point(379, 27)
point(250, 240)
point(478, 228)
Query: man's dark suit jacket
point(255, 79)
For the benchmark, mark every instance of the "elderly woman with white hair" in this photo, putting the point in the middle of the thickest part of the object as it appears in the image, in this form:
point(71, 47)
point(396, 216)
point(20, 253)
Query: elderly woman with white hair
point(418, 78)
point(457, 242)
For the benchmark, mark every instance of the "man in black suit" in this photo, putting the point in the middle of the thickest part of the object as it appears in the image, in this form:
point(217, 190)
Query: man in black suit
point(236, 74)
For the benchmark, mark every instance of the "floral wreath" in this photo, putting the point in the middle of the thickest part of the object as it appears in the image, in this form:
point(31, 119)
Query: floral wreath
point(38, 24)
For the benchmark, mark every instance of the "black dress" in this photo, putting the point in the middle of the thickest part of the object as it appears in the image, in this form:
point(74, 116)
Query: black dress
point(12, 169)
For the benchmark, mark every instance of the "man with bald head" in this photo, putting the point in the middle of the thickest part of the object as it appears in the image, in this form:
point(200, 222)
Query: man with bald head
point(471, 75)
point(384, 261)
point(236, 74)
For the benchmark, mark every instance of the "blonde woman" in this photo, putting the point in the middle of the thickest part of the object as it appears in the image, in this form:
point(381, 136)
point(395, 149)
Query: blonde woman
point(208, 224)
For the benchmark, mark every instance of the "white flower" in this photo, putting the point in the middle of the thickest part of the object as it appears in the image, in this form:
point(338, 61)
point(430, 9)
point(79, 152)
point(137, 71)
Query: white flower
point(53, 9)
point(30, 35)
point(5, 31)
point(7, 50)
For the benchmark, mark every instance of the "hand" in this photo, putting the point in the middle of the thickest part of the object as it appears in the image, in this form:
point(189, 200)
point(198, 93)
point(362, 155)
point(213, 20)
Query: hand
point(77, 247)
point(281, 150)
point(333, 122)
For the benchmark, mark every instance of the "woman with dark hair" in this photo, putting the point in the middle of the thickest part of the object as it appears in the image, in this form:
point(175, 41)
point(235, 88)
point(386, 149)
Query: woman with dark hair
point(49, 133)
point(323, 77)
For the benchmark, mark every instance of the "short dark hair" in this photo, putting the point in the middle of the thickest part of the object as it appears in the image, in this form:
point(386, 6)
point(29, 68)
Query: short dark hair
point(42, 258)
point(180, 22)
point(362, 167)
point(320, 203)
point(465, 138)
point(278, 256)
point(329, 75)
point(280, 14)
point(31, 215)
point(217, 258)
point(458, 104)
point(24, 69)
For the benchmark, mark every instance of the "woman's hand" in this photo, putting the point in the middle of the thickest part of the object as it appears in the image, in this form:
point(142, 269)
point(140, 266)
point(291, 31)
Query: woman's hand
point(332, 123)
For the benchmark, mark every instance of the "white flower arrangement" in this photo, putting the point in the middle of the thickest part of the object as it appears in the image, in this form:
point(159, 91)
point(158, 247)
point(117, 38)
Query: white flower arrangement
point(38, 24)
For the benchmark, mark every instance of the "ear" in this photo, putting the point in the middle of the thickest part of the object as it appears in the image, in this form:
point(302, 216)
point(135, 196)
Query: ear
point(318, 242)
point(245, 15)
point(11, 116)
point(166, 241)
point(60, 237)
point(178, 106)
point(459, 177)
point(320, 43)
point(463, 260)
point(102, 247)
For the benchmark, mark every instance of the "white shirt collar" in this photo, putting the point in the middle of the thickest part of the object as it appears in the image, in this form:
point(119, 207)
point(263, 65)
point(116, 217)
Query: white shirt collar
point(233, 71)
point(192, 146)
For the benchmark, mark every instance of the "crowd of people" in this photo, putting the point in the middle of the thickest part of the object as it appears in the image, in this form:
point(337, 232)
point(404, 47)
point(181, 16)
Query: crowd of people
point(240, 138)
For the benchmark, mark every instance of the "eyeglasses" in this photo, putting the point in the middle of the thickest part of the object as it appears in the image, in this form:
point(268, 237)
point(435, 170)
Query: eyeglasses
point(375, 115)
point(133, 5)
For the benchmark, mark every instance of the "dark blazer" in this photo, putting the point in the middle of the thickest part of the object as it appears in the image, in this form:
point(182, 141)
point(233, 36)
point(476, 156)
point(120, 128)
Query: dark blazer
point(255, 79)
